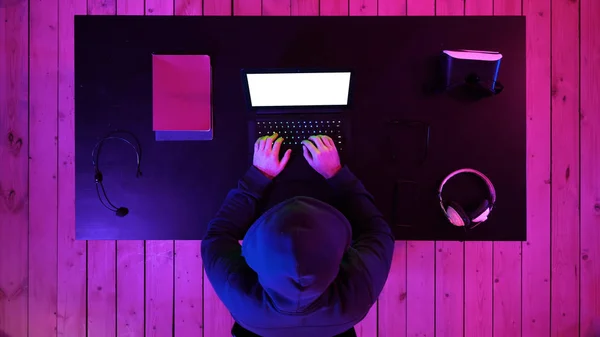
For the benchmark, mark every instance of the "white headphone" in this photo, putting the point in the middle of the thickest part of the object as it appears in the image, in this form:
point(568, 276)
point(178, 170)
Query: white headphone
point(456, 214)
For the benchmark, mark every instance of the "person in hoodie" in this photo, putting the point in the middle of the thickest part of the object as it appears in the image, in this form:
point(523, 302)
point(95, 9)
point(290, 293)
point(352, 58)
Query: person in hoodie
point(298, 272)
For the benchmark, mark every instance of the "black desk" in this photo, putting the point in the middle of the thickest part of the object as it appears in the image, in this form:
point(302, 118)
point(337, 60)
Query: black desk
point(394, 59)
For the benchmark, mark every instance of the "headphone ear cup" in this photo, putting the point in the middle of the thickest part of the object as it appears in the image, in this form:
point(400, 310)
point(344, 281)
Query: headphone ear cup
point(456, 215)
point(480, 214)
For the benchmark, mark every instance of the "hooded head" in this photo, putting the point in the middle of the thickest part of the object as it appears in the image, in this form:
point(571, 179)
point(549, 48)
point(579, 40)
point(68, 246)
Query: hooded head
point(296, 249)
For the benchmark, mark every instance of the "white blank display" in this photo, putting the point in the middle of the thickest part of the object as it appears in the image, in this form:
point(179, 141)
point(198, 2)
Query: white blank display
point(299, 89)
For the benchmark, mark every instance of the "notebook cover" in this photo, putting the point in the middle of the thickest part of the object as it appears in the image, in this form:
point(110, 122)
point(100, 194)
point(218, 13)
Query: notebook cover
point(181, 93)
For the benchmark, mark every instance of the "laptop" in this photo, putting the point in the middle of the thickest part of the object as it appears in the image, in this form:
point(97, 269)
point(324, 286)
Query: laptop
point(299, 103)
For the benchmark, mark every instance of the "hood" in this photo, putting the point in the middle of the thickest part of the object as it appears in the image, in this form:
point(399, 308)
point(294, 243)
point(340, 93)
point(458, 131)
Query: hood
point(296, 249)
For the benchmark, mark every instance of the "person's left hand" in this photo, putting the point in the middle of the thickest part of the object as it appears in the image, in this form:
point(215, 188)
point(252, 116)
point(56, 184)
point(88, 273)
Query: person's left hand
point(266, 155)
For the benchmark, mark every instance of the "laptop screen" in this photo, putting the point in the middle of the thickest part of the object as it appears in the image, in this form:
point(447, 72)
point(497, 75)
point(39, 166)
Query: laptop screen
point(296, 89)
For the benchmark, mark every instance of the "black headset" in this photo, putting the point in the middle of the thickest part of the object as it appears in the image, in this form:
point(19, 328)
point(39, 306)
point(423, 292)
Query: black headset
point(119, 211)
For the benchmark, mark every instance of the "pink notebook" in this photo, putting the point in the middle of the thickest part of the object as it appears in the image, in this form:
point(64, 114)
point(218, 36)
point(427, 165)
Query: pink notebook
point(181, 93)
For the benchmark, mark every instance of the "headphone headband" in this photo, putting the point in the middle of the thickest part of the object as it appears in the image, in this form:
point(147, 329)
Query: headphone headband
point(119, 211)
point(488, 182)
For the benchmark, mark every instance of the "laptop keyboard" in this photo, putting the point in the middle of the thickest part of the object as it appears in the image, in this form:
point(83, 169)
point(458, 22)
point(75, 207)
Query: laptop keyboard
point(294, 132)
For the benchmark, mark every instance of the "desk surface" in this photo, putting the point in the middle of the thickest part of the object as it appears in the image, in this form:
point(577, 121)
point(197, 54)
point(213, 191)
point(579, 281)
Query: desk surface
point(394, 58)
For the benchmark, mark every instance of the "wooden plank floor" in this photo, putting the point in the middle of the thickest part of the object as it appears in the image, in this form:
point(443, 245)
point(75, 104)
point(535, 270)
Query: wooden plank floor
point(53, 285)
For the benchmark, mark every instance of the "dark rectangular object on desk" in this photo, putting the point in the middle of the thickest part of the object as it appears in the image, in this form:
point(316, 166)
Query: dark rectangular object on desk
point(297, 103)
point(394, 61)
point(462, 67)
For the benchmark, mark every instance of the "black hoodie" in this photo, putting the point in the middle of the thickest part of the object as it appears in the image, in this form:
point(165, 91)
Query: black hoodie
point(298, 272)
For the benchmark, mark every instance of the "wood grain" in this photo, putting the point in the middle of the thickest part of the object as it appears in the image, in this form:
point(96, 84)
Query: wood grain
point(391, 7)
point(159, 7)
point(420, 7)
point(363, 7)
point(217, 7)
point(43, 168)
point(420, 288)
point(450, 7)
point(14, 171)
point(478, 254)
point(333, 7)
point(131, 302)
point(565, 168)
point(188, 289)
point(305, 7)
point(478, 289)
point(102, 292)
point(449, 275)
point(71, 291)
point(590, 166)
point(391, 306)
point(217, 319)
point(130, 7)
point(102, 254)
point(188, 7)
point(276, 7)
point(130, 254)
point(449, 283)
point(159, 288)
point(111, 272)
point(508, 7)
point(247, 7)
point(536, 250)
point(480, 7)
point(420, 255)
point(506, 310)
point(507, 264)
point(188, 269)
point(392, 313)
point(368, 326)
point(159, 254)
point(101, 7)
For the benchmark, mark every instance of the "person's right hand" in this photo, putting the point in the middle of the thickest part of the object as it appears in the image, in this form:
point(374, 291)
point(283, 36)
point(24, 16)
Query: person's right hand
point(321, 155)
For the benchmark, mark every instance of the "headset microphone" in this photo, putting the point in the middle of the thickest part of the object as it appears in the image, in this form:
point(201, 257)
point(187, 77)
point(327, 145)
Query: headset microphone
point(122, 211)
point(98, 177)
